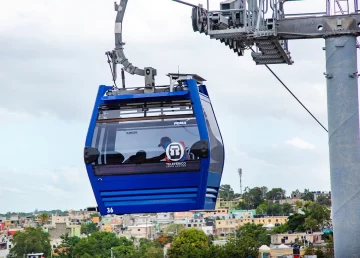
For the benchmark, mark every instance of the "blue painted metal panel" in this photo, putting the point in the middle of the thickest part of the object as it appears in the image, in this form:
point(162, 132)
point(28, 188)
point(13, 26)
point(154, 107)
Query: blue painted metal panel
point(162, 192)
point(146, 96)
point(200, 119)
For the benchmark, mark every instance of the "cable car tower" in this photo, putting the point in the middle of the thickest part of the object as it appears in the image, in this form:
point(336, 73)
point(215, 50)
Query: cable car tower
point(242, 24)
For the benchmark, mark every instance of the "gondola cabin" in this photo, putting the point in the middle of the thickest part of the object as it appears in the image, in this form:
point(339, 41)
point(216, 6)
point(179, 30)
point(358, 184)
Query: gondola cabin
point(154, 152)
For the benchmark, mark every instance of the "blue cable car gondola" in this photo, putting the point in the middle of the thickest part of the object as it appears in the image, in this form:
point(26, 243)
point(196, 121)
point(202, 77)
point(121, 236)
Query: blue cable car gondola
point(154, 152)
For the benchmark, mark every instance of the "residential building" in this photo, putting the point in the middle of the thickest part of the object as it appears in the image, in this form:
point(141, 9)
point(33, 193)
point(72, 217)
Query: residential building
point(60, 219)
point(297, 195)
point(183, 215)
point(217, 212)
point(112, 220)
point(278, 251)
point(321, 193)
point(106, 228)
point(314, 237)
point(221, 203)
point(140, 231)
point(62, 228)
point(292, 201)
point(193, 223)
point(141, 219)
point(8, 224)
point(266, 220)
point(242, 214)
point(95, 220)
point(164, 217)
point(79, 215)
point(208, 230)
point(226, 226)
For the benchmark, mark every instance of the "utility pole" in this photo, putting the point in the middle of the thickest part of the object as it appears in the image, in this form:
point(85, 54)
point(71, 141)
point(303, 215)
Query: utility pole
point(241, 24)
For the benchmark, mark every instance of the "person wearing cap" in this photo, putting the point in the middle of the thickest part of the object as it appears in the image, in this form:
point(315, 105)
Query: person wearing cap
point(164, 142)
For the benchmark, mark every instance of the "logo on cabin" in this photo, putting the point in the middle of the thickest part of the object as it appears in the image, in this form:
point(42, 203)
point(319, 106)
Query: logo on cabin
point(175, 151)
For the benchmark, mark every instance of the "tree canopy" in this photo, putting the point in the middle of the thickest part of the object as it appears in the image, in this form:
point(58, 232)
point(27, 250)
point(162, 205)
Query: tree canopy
point(227, 193)
point(30, 240)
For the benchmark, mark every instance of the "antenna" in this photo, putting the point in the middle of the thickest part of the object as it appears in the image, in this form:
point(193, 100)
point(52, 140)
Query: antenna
point(240, 175)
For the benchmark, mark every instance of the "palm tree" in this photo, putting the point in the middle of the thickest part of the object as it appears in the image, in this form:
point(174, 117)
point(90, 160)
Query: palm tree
point(44, 218)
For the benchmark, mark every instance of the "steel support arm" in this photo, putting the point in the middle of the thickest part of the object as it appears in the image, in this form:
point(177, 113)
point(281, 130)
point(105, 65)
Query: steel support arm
point(318, 26)
point(118, 56)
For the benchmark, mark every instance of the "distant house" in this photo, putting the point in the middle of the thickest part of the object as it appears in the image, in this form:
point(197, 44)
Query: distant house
point(60, 229)
point(314, 237)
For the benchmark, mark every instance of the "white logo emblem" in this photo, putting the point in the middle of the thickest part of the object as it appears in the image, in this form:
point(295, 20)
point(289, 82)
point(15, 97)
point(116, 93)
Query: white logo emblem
point(175, 151)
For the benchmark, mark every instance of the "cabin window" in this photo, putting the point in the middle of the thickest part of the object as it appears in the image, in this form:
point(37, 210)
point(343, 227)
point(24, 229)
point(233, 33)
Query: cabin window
point(216, 143)
point(136, 136)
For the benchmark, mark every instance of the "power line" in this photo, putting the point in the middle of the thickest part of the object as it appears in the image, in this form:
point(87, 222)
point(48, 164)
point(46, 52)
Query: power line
point(293, 94)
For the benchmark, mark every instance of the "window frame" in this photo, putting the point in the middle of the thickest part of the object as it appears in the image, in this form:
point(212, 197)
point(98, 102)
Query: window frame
point(101, 135)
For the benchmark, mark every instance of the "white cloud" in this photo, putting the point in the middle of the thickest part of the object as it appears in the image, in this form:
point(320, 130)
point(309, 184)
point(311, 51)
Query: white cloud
point(301, 144)
point(12, 190)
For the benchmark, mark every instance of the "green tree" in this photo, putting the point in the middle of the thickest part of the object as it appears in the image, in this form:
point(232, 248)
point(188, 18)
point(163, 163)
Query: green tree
point(144, 245)
point(66, 248)
point(254, 197)
point(329, 253)
point(154, 252)
point(256, 232)
point(298, 205)
point(318, 212)
point(319, 253)
point(44, 218)
point(276, 194)
point(89, 228)
point(163, 239)
point(227, 193)
point(124, 251)
point(308, 196)
point(31, 240)
point(188, 243)
point(274, 209)
point(211, 239)
point(296, 222)
point(245, 246)
point(215, 251)
point(173, 228)
point(309, 250)
point(286, 209)
point(262, 209)
point(283, 228)
point(99, 245)
point(323, 200)
point(242, 206)
point(311, 224)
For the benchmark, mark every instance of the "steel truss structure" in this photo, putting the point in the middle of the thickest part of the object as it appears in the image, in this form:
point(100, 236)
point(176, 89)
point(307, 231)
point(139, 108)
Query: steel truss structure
point(241, 24)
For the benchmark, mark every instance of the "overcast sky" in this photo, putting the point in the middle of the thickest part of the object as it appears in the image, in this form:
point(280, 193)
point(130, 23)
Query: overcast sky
point(52, 62)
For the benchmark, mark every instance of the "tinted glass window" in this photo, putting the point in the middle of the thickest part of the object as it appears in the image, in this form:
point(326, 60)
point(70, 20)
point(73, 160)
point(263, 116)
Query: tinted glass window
point(139, 146)
point(152, 137)
point(216, 143)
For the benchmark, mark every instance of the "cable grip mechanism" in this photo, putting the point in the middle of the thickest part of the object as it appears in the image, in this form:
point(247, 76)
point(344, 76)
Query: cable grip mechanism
point(117, 55)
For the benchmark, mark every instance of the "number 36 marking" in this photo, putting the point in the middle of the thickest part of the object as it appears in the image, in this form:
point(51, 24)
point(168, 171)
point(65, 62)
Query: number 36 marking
point(110, 210)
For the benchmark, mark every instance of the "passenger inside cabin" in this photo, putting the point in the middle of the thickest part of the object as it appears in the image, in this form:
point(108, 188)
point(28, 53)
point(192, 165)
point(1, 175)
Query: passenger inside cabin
point(139, 157)
point(164, 142)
